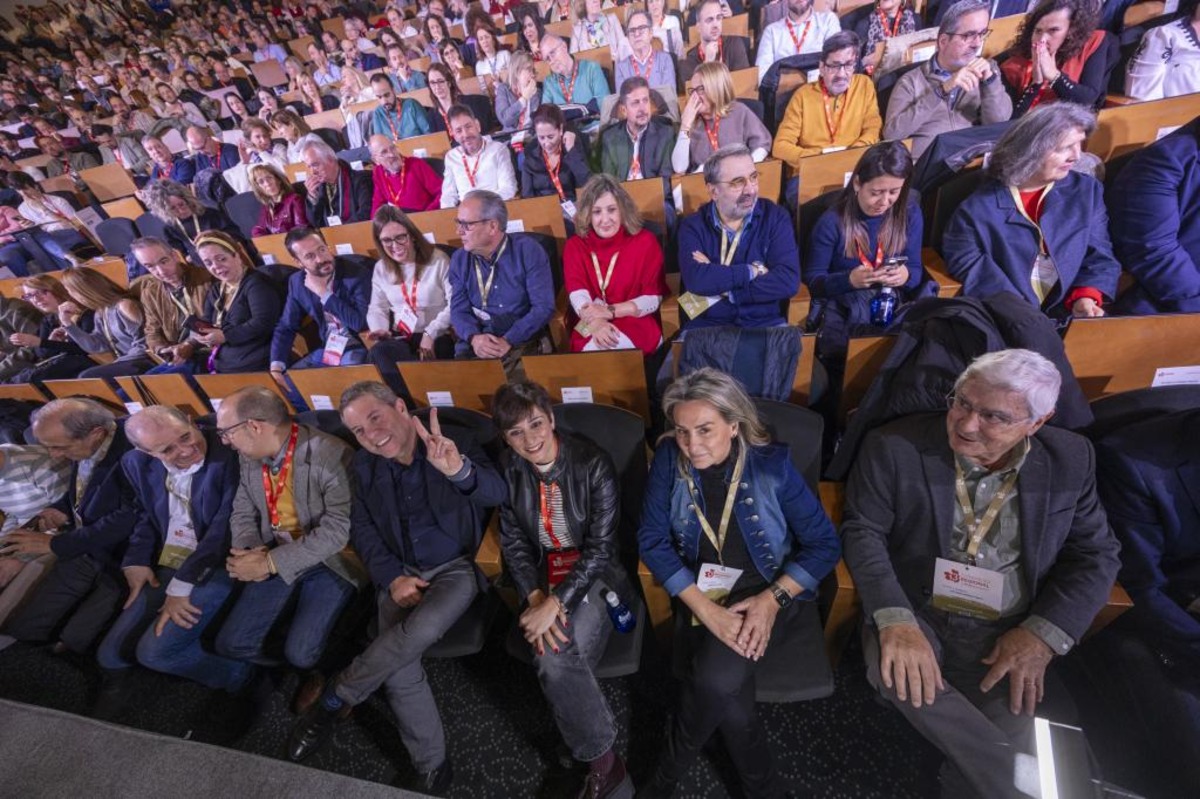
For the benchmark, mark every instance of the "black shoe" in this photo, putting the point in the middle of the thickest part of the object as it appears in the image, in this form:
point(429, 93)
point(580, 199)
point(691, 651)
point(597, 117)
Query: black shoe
point(313, 731)
point(436, 782)
point(115, 694)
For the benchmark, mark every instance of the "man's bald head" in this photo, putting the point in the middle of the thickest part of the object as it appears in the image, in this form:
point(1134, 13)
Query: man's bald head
point(73, 428)
point(167, 434)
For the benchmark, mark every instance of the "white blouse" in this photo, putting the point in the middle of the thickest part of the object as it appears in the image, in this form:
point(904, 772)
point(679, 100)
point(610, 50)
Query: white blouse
point(493, 66)
point(1167, 63)
point(433, 296)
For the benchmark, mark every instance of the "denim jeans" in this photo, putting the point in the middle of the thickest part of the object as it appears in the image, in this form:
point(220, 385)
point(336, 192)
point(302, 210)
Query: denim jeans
point(308, 608)
point(394, 659)
point(568, 680)
point(177, 651)
point(14, 257)
point(58, 243)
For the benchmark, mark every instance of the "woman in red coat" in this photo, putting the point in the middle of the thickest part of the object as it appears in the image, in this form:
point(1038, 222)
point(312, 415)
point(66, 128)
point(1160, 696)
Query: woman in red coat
point(613, 273)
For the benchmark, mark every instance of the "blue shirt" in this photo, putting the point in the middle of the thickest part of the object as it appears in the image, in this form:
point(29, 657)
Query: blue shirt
point(408, 120)
point(331, 74)
point(417, 81)
point(590, 84)
point(827, 273)
point(270, 51)
point(520, 300)
point(422, 541)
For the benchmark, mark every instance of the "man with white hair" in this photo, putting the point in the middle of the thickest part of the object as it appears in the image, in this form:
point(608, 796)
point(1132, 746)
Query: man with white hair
point(336, 194)
point(980, 550)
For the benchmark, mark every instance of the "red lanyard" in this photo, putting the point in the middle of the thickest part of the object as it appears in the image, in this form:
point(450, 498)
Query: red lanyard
point(568, 93)
point(862, 256)
point(713, 132)
point(635, 167)
point(829, 123)
point(720, 50)
point(399, 118)
point(471, 173)
point(547, 513)
point(649, 65)
point(803, 35)
point(393, 196)
point(273, 489)
point(895, 28)
point(553, 173)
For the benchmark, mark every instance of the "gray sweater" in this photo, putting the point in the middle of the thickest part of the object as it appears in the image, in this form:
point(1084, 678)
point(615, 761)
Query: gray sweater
point(917, 108)
point(128, 337)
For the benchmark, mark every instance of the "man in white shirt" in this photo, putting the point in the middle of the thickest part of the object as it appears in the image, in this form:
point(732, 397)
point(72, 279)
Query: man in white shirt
point(476, 163)
point(803, 30)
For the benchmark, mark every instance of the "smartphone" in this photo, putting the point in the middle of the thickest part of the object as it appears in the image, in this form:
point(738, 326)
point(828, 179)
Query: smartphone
point(198, 325)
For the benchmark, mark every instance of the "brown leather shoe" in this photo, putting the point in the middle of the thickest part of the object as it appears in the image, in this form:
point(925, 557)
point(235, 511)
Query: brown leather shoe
point(615, 784)
point(308, 693)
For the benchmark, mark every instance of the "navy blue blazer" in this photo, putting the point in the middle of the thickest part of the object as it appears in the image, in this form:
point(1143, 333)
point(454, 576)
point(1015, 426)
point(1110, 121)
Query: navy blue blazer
point(227, 158)
point(349, 301)
point(1148, 475)
point(183, 170)
point(1155, 204)
point(105, 511)
point(213, 489)
point(990, 246)
point(460, 510)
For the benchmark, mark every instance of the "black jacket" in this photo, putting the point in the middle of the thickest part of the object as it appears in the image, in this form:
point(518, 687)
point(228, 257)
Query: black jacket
point(248, 325)
point(106, 509)
point(592, 504)
point(353, 203)
point(573, 173)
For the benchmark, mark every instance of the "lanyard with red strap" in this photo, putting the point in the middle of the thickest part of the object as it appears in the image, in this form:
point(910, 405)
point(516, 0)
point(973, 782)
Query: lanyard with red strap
point(568, 93)
point(713, 132)
point(829, 105)
point(895, 28)
point(720, 50)
point(471, 173)
point(399, 118)
point(803, 35)
point(649, 63)
point(553, 172)
point(273, 488)
point(546, 493)
point(862, 256)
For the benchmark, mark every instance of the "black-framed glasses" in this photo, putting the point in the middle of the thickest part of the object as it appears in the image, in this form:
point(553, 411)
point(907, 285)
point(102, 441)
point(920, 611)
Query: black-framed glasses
point(394, 241)
point(224, 433)
point(467, 224)
point(846, 66)
point(967, 36)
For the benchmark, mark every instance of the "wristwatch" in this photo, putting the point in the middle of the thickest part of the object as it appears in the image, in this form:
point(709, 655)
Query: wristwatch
point(781, 596)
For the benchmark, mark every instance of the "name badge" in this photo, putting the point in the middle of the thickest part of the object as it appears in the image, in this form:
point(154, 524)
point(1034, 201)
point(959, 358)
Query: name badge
point(481, 314)
point(695, 304)
point(335, 345)
point(283, 537)
point(716, 581)
point(333, 220)
point(406, 319)
point(967, 590)
point(568, 208)
point(1045, 272)
point(180, 544)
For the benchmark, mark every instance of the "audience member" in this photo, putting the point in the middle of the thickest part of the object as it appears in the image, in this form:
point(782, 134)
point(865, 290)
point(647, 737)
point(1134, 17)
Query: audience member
point(518, 97)
point(119, 323)
point(594, 28)
point(17, 318)
point(31, 484)
point(445, 94)
point(406, 182)
point(936, 646)
point(335, 193)
point(738, 584)
point(637, 145)
point(477, 163)
point(420, 556)
point(955, 89)
point(282, 206)
point(209, 153)
point(57, 228)
point(891, 18)
point(395, 118)
point(63, 161)
point(714, 45)
point(404, 78)
point(56, 356)
point(571, 81)
point(802, 30)
point(1167, 64)
point(1014, 234)
point(166, 164)
point(711, 106)
point(124, 150)
point(552, 149)
point(170, 297)
point(655, 66)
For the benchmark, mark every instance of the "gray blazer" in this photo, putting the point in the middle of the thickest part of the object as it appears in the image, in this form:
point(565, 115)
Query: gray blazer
point(321, 483)
point(899, 515)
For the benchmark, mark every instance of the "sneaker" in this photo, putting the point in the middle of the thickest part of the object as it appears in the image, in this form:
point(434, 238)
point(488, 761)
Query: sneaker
point(613, 784)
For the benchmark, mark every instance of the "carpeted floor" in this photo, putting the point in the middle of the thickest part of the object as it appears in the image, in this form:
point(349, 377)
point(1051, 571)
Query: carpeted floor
point(501, 736)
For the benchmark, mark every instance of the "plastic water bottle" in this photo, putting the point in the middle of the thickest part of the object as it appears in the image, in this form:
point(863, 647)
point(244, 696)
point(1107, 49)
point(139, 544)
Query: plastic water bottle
point(622, 617)
point(883, 307)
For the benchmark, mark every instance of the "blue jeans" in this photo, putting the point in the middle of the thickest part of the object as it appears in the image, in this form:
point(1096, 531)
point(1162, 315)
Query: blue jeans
point(316, 600)
point(177, 651)
point(14, 257)
point(58, 243)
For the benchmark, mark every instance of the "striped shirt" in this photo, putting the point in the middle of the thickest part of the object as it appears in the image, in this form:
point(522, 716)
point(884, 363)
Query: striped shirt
point(30, 482)
point(558, 519)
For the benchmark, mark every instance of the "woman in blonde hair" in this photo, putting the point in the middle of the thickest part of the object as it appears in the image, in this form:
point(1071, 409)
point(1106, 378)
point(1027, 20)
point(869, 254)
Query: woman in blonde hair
point(518, 96)
point(282, 205)
point(612, 273)
point(713, 118)
point(58, 357)
point(735, 535)
point(119, 324)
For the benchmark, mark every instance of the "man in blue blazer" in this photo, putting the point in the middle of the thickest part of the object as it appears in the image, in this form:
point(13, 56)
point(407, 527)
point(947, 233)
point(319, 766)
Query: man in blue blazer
point(1154, 213)
point(980, 550)
point(208, 153)
point(183, 482)
point(420, 506)
point(85, 588)
point(334, 293)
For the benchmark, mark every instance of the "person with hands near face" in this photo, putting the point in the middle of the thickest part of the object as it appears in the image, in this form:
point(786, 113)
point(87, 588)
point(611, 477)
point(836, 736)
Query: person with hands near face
point(732, 531)
point(558, 533)
point(421, 501)
point(712, 118)
point(969, 577)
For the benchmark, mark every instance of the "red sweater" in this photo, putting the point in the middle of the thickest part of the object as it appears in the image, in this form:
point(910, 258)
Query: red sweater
point(421, 189)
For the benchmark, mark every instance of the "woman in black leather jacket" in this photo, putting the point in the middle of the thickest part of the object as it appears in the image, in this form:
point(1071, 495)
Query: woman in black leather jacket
point(558, 531)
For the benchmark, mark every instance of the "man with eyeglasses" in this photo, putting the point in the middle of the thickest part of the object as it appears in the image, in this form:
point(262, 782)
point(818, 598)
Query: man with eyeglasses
point(956, 88)
point(85, 589)
point(289, 530)
point(802, 30)
point(656, 66)
point(732, 51)
point(407, 182)
point(838, 111)
point(183, 483)
point(477, 163)
point(333, 291)
point(980, 550)
point(174, 291)
point(639, 145)
point(501, 289)
point(738, 258)
point(571, 81)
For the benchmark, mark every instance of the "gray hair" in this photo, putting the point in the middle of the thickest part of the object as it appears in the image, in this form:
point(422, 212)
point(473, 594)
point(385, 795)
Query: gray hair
point(842, 40)
point(78, 416)
point(1023, 371)
point(725, 395)
point(367, 388)
point(1023, 148)
point(259, 403)
point(311, 141)
point(491, 206)
point(146, 242)
point(956, 12)
point(158, 192)
point(712, 166)
point(161, 415)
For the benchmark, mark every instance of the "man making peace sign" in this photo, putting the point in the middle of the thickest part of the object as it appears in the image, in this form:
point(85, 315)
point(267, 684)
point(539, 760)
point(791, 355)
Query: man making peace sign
point(418, 513)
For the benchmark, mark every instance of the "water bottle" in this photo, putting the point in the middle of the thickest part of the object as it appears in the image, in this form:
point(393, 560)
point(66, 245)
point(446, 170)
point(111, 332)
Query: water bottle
point(622, 618)
point(883, 307)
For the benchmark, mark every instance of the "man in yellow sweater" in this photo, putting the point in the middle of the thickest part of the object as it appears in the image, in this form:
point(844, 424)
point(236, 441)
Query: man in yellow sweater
point(836, 112)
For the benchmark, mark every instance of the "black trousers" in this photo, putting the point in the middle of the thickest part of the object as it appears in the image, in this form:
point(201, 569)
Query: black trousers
point(81, 596)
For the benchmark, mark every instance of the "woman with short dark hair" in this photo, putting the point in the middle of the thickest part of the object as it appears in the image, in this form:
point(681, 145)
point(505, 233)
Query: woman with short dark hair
point(556, 160)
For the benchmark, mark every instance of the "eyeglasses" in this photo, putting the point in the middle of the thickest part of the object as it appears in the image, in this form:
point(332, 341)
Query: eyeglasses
point(438, 82)
point(967, 36)
point(638, 29)
point(737, 184)
point(226, 432)
point(467, 224)
point(848, 66)
point(395, 241)
point(31, 293)
point(986, 418)
point(696, 90)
